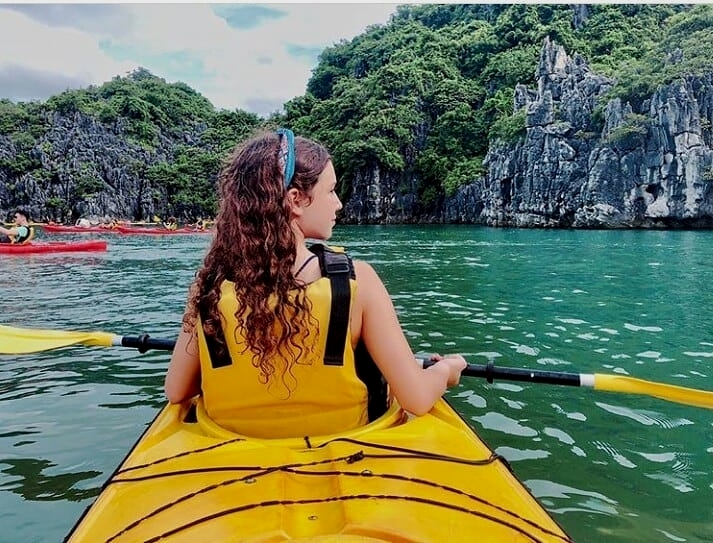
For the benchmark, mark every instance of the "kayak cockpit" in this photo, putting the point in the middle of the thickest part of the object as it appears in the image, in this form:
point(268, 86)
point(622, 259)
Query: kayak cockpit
point(196, 412)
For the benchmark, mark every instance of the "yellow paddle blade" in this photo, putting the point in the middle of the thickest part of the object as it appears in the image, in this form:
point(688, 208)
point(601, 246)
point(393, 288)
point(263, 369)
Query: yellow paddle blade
point(28, 340)
point(672, 393)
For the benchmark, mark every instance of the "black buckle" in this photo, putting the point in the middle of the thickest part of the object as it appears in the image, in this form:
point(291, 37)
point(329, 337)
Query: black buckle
point(336, 263)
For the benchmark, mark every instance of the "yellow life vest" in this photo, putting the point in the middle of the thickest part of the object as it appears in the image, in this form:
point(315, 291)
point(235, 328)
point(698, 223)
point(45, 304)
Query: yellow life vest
point(312, 398)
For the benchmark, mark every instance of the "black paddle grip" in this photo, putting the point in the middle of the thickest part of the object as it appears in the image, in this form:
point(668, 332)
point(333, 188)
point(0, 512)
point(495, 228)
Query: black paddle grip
point(143, 343)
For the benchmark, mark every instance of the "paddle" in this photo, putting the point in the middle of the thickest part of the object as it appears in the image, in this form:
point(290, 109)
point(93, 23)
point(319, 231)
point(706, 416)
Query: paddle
point(26, 340)
point(597, 381)
point(31, 340)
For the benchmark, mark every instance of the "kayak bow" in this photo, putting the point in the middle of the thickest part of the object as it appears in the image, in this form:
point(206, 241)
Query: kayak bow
point(400, 478)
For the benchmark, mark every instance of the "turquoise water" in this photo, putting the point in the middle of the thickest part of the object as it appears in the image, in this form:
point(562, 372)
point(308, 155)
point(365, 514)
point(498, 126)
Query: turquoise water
point(610, 468)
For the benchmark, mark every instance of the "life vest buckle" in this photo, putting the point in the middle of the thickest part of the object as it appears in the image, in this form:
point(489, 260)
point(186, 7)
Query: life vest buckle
point(336, 263)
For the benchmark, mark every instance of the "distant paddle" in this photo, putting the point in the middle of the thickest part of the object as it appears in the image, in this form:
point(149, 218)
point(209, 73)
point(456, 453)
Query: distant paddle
point(31, 340)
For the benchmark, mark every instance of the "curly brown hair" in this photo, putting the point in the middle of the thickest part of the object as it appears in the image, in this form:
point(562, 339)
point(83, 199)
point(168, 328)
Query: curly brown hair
point(254, 247)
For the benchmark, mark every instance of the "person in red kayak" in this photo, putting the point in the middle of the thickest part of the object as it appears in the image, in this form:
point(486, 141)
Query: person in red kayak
point(200, 225)
point(262, 339)
point(109, 225)
point(21, 232)
point(171, 223)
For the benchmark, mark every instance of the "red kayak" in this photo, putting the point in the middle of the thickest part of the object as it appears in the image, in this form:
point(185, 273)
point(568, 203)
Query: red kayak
point(61, 229)
point(52, 247)
point(159, 231)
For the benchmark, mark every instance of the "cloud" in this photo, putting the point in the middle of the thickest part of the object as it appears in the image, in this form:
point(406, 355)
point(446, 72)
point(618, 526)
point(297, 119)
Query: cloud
point(38, 53)
point(247, 56)
point(23, 84)
point(84, 17)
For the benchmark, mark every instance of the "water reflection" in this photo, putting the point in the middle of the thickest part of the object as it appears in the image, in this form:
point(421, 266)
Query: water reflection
point(27, 479)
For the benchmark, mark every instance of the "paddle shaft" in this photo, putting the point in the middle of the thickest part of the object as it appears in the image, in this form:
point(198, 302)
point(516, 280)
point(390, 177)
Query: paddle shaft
point(14, 336)
point(15, 340)
point(490, 372)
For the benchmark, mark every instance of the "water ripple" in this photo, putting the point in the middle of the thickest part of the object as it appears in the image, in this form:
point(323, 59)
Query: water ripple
point(646, 418)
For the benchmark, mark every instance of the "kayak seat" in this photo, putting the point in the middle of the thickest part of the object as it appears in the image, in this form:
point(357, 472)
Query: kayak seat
point(190, 417)
point(394, 416)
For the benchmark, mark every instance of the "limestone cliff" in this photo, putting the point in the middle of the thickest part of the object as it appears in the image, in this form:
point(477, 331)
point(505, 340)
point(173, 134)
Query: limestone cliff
point(75, 150)
point(648, 169)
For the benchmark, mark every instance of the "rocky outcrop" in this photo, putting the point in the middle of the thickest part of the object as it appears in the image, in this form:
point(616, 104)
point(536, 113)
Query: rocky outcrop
point(76, 149)
point(647, 169)
point(381, 197)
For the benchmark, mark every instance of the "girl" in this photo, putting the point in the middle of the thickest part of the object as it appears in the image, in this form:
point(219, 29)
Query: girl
point(255, 326)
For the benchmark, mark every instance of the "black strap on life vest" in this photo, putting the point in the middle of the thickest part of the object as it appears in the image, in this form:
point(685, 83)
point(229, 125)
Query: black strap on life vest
point(340, 269)
point(216, 360)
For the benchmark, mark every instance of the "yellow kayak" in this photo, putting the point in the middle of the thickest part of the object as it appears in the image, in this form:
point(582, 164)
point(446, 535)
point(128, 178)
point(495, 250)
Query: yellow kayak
point(400, 478)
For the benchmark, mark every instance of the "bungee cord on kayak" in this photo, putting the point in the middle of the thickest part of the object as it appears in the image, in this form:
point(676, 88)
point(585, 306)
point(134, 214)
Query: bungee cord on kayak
point(386, 497)
point(351, 459)
point(406, 453)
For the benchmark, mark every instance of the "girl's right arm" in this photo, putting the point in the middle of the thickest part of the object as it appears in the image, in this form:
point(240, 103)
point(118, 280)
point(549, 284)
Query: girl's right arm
point(183, 379)
point(416, 389)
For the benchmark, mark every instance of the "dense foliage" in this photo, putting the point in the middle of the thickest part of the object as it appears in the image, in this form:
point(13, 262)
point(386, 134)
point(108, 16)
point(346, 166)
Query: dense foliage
point(421, 97)
point(154, 117)
point(426, 94)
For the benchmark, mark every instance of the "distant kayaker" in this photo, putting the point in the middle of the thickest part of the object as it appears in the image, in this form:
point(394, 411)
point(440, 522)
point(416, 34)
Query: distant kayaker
point(171, 223)
point(199, 225)
point(257, 325)
point(109, 225)
point(19, 233)
point(83, 223)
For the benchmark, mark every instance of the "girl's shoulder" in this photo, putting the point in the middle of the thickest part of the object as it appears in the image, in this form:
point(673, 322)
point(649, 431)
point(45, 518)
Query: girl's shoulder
point(365, 273)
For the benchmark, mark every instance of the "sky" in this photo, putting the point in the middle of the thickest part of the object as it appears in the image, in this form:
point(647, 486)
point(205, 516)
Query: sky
point(253, 57)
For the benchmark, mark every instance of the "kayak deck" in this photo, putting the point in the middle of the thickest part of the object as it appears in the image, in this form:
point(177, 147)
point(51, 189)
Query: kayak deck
point(399, 479)
point(67, 229)
point(160, 231)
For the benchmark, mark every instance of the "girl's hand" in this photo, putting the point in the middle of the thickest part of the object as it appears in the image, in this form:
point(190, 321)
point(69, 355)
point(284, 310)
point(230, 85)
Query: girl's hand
point(455, 364)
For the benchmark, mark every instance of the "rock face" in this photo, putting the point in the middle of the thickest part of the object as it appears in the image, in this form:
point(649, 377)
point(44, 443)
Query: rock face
point(76, 149)
point(646, 170)
point(380, 197)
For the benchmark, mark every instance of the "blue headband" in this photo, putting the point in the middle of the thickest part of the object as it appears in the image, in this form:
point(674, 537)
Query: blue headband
point(287, 154)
